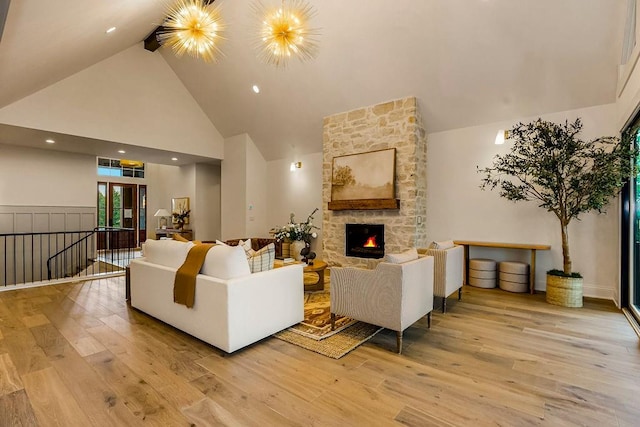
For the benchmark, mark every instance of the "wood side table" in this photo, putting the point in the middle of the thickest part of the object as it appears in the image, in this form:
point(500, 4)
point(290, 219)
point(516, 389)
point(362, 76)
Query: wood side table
point(318, 267)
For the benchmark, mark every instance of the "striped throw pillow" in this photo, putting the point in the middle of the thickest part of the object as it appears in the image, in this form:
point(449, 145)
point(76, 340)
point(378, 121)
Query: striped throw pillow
point(263, 259)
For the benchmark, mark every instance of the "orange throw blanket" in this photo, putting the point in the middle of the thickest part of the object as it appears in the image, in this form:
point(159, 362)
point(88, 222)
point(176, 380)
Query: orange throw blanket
point(184, 285)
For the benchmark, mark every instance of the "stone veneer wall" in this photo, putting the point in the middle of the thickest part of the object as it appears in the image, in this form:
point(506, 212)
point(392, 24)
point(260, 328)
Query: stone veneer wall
point(395, 124)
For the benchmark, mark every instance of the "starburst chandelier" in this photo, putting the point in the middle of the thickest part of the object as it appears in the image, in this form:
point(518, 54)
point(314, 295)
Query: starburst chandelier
point(193, 27)
point(284, 32)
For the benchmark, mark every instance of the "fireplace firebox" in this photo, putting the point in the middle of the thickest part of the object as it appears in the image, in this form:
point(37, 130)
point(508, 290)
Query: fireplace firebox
point(364, 240)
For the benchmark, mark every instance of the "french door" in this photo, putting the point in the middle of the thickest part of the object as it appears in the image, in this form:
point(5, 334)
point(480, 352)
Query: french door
point(123, 206)
point(630, 274)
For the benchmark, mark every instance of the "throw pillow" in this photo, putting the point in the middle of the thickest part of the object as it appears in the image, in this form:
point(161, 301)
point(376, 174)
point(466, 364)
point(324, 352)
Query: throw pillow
point(246, 245)
point(169, 253)
point(218, 242)
point(406, 256)
point(263, 259)
point(225, 262)
point(444, 244)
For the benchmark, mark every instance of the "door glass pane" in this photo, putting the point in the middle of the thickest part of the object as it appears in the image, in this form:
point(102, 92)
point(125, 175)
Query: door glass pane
point(116, 206)
point(102, 204)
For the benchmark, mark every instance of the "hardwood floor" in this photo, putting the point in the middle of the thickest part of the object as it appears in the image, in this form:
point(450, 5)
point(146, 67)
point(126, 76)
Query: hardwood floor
point(76, 355)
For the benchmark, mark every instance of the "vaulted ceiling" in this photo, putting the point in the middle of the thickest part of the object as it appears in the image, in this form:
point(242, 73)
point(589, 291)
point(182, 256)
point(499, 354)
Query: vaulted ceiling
point(467, 61)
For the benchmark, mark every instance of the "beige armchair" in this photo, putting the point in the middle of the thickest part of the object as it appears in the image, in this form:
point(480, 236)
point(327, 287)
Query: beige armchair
point(393, 296)
point(448, 272)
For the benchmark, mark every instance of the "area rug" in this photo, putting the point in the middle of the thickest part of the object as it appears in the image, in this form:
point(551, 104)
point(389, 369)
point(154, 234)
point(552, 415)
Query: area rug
point(336, 345)
point(314, 332)
point(317, 317)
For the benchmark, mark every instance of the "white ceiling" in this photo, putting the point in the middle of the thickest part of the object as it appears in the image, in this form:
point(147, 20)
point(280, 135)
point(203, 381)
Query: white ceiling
point(467, 61)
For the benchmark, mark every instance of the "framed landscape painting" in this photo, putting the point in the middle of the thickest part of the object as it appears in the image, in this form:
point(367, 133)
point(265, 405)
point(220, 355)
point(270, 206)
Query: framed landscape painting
point(361, 176)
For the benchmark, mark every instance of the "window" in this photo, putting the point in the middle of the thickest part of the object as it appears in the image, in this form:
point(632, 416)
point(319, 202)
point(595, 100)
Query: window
point(120, 167)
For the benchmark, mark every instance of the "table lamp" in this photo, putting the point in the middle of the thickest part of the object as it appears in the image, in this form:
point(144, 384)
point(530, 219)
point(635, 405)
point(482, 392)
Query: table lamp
point(162, 215)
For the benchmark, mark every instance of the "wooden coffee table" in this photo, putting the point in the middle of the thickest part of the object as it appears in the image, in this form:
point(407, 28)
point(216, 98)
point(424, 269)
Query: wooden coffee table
point(318, 268)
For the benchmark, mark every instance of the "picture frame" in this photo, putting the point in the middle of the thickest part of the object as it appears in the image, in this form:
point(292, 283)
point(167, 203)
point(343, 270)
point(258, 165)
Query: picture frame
point(177, 205)
point(364, 176)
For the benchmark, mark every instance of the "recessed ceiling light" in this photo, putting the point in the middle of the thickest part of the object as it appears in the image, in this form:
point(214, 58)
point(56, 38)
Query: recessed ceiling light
point(110, 30)
point(256, 89)
point(121, 151)
point(175, 159)
point(50, 141)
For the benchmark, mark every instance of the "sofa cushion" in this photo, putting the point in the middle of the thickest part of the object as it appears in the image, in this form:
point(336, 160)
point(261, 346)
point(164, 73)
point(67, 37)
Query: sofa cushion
point(406, 256)
point(169, 253)
point(225, 262)
point(263, 259)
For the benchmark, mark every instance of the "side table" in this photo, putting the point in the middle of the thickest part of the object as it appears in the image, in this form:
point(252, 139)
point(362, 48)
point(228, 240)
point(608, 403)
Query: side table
point(318, 267)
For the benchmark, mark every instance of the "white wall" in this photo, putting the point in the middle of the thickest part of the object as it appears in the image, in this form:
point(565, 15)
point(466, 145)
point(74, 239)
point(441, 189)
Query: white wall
point(234, 184)
point(132, 97)
point(256, 196)
point(208, 202)
point(458, 209)
point(299, 192)
point(34, 177)
point(244, 189)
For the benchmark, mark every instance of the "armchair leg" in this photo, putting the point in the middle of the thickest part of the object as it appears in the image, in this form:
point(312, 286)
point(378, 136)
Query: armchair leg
point(333, 321)
point(444, 305)
point(429, 320)
point(460, 294)
point(399, 341)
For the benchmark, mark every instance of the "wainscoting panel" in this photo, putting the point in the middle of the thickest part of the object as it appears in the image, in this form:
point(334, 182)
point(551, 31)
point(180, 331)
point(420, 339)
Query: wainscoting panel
point(40, 222)
point(57, 222)
point(24, 219)
point(24, 222)
point(6, 222)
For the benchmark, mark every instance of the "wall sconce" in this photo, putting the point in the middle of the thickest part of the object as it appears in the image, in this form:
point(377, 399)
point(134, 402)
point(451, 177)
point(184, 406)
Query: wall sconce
point(162, 215)
point(502, 136)
point(294, 166)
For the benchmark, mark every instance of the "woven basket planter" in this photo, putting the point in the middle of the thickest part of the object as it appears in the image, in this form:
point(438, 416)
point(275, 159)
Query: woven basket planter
point(564, 291)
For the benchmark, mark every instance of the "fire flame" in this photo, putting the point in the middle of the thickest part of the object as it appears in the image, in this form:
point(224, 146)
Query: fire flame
point(371, 243)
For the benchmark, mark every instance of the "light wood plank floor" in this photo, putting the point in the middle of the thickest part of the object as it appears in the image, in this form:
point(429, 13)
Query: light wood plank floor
point(76, 355)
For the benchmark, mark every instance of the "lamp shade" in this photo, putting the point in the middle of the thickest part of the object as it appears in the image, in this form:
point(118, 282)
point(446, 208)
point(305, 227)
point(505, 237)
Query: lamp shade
point(162, 212)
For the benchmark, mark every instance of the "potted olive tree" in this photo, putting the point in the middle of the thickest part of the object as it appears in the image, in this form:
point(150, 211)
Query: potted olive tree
point(551, 165)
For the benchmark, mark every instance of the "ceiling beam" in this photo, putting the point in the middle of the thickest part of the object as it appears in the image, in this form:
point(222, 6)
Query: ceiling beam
point(151, 43)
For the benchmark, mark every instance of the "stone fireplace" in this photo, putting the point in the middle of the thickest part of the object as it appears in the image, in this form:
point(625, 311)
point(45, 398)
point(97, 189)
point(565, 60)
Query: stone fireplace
point(394, 124)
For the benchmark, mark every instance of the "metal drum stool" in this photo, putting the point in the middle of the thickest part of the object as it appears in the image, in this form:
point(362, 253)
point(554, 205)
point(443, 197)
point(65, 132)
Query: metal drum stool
point(514, 276)
point(482, 273)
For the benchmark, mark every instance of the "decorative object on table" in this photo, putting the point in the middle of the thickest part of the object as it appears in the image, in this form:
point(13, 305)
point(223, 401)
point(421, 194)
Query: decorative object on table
point(284, 32)
point(549, 164)
point(162, 215)
point(299, 234)
point(180, 211)
point(193, 27)
point(296, 248)
point(310, 257)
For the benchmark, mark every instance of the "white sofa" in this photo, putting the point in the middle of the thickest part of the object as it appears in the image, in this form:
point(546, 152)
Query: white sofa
point(233, 307)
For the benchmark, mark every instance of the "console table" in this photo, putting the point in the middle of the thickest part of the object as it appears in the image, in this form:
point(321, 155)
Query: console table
point(167, 232)
point(526, 246)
